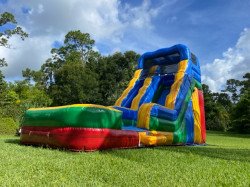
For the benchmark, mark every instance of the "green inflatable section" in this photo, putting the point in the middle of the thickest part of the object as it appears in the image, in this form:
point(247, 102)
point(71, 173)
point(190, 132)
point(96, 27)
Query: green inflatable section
point(92, 116)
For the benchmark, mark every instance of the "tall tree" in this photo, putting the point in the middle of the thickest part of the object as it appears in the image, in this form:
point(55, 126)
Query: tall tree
point(233, 87)
point(77, 47)
point(8, 18)
point(240, 114)
point(115, 71)
point(241, 111)
point(245, 83)
point(74, 84)
point(217, 115)
point(224, 100)
point(5, 35)
point(65, 76)
point(77, 74)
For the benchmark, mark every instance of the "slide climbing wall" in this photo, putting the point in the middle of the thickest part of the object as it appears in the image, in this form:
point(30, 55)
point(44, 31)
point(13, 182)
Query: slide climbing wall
point(162, 105)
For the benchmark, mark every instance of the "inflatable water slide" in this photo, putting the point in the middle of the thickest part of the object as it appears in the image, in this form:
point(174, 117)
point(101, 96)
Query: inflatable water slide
point(162, 105)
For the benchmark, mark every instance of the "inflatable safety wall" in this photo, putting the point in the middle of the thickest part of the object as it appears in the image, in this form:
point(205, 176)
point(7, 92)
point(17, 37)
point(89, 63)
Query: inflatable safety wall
point(162, 105)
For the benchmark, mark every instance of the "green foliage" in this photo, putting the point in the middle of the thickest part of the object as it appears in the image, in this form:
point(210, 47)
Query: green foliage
point(217, 106)
point(241, 111)
point(217, 118)
point(240, 115)
point(30, 95)
point(224, 161)
point(230, 109)
point(5, 18)
point(115, 71)
point(19, 96)
point(77, 74)
point(74, 84)
point(223, 99)
point(64, 76)
point(245, 83)
point(232, 86)
point(77, 44)
point(77, 48)
point(8, 126)
point(3, 83)
point(9, 106)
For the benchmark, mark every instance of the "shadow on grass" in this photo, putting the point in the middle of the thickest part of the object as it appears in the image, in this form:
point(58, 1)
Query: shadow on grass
point(241, 155)
point(41, 146)
point(230, 154)
point(229, 134)
point(235, 135)
point(12, 141)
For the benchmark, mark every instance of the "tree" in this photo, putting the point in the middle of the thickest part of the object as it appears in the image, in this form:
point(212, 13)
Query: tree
point(240, 115)
point(224, 100)
point(77, 47)
point(245, 83)
point(241, 111)
point(222, 114)
point(8, 18)
point(115, 71)
point(65, 76)
point(74, 84)
point(77, 74)
point(19, 96)
point(44, 77)
point(217, 116)
point(3, 84)
point(8, 97)
point(232, 86)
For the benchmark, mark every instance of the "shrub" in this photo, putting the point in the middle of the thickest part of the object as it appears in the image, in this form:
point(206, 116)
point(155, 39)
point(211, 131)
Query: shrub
point(8, 126)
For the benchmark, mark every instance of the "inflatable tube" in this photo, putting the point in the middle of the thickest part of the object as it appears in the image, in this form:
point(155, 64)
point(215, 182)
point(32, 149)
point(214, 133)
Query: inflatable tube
point(79, 139)
point(197, 121)
point(80, 115)
point(202, 112)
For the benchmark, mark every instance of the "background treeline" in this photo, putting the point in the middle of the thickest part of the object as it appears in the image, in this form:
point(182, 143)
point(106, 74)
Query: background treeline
point(75, 73)
point(229, 110)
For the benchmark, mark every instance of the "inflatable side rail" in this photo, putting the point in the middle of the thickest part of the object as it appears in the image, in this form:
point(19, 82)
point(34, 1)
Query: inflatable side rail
point(169, 56)
point(164, 56)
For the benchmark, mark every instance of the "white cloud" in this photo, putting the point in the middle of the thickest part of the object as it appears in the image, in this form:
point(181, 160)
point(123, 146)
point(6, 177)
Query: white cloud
point(40, 9)
point(234, 64)
point(29, 54)
point(141, 16)
point(107, 21)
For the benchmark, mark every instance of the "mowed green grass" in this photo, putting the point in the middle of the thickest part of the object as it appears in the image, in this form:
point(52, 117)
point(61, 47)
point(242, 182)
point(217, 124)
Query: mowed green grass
point(225, 161)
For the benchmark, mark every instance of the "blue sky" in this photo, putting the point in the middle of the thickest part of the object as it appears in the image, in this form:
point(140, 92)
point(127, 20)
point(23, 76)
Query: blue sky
point(216, 31)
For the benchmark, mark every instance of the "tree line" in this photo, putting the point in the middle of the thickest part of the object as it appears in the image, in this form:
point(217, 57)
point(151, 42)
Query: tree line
point(75, 73)
point(229, 110)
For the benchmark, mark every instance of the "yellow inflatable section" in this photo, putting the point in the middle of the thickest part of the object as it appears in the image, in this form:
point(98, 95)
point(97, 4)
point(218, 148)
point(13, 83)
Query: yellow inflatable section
point(196, 111)
point(130, 86)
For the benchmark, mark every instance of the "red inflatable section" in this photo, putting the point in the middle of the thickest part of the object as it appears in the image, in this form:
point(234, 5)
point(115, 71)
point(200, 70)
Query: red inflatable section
point(79, 139)
point(202, 112)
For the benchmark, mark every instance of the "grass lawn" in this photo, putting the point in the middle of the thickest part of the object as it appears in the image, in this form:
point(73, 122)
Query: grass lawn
point(224, 162)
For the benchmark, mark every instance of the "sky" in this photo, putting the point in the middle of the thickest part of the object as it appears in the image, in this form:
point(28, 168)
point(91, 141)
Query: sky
point(217, 31)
